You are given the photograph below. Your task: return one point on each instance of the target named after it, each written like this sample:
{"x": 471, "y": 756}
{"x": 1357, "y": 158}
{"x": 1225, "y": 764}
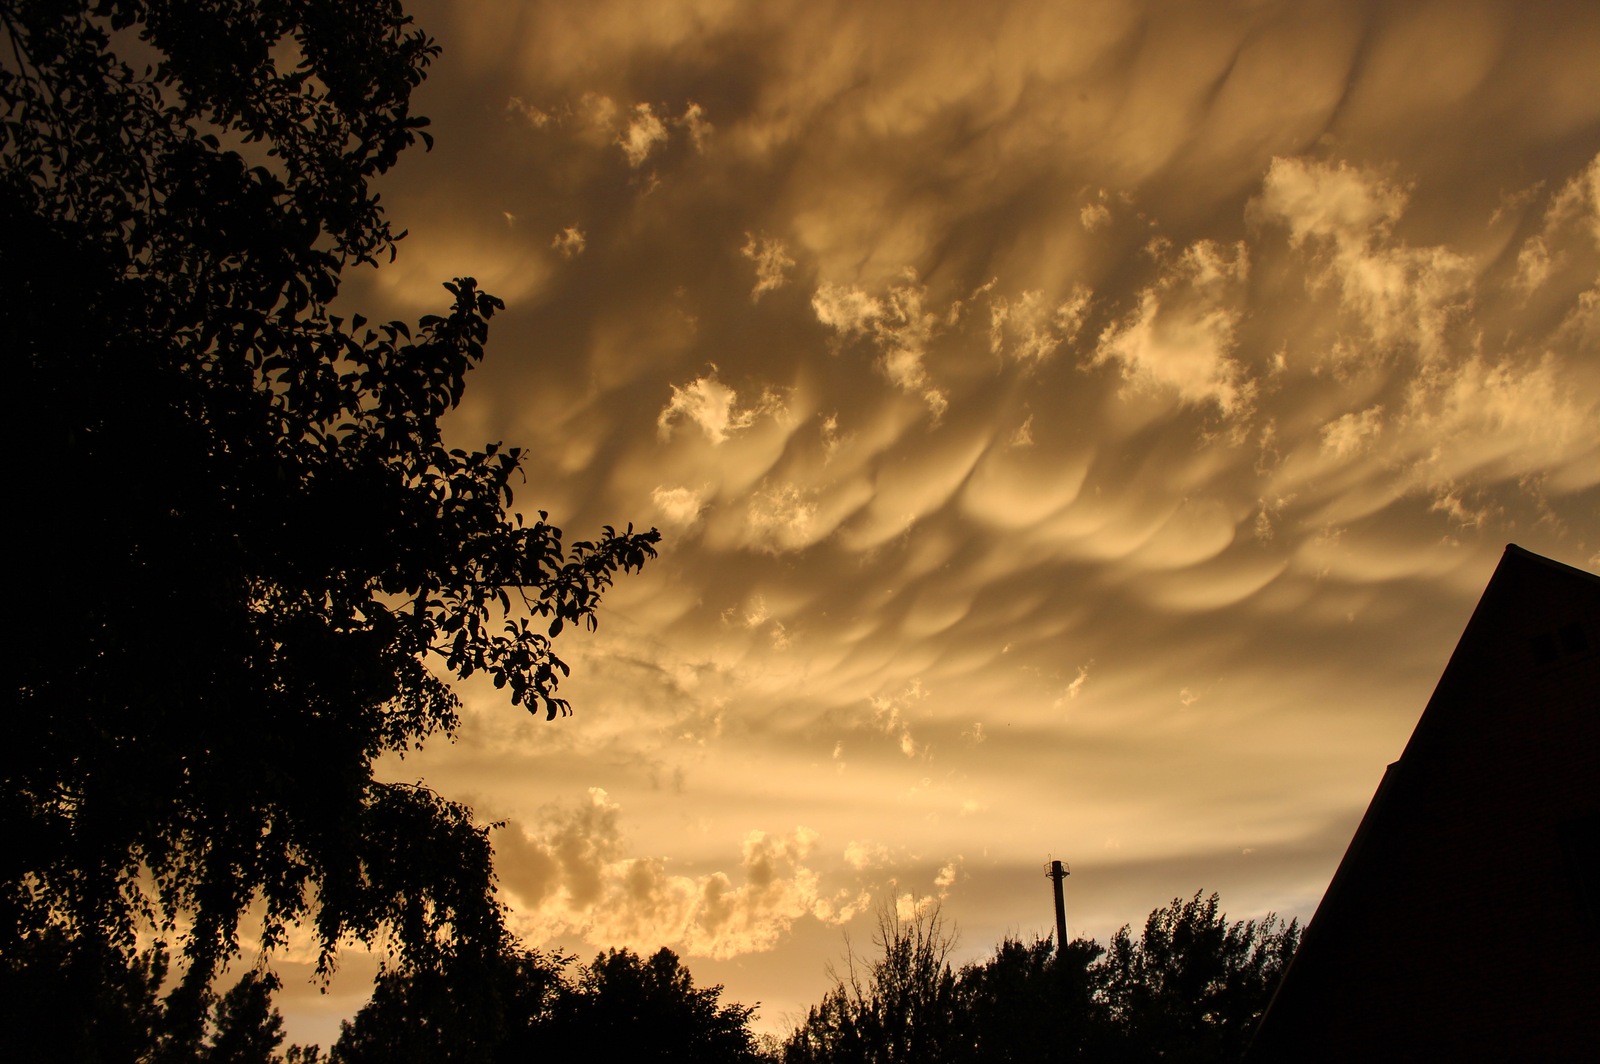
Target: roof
{"x": 1464, "y": 919}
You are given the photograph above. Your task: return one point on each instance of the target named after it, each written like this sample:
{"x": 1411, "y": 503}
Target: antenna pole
{"x": 1057, "y": 873}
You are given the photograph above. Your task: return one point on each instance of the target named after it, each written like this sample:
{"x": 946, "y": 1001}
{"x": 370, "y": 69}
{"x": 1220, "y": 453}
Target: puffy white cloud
{"x": 1180, "y": 339}
{"x": 781, "y": 517}
{"x": 1029, "y": 329}
{"x": 891, "y": 715}
{"x": 771, "y": 260}
{"x": 901, "y": 326}
{"x": 1073, "y": 689}
{"x": 1398, "y": 296}
{"x": 712, "y": 405}
{"x": 1336, "y": 201}
{"x": 1501, "y": 419}
{"x": 572, "y": 876}
{"x": 694, "y": 120}
{"x": 846, "y": 309}
{"x": 643, "y": 133}
{"x": 1353, "y": 432}
{"x": 570, "y": 242}
{"x": 1578, "y": 202}
{"x": 536, "y": 117}
{"x": 678, "y": 507}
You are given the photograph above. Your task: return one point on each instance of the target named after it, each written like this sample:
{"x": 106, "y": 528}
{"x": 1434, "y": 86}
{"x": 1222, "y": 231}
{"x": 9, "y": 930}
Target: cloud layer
{"x": 1078, "y": 428}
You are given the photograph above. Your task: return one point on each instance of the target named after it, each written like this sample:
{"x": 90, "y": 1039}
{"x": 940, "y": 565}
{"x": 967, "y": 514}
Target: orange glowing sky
{"x": 1077, "y": 429}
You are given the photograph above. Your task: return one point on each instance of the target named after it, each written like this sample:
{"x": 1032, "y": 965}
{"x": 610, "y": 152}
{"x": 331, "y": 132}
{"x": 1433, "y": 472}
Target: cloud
{"x": 1578, "y": 202}
{"x": 1398, "y": 296}
{"x": 890, "y": 715}
{"x": 1073, "y": 689}
{"x": 846, "y": 309}
{"x": 534, "y": 116}
{"x": 1028, "y": 329}
{"x": 1499, "y": 419}
{"x": 1316, "y": 200}
{"x": 678, "y": 507}
{"x": 643, "y": 133}
{"x": 911, "y": 905}
{"x": 570, "y": 242}
{"x": 694, "y": 120}
{"x": 1352, "y": 433}
{"x": 863, "y": 856}
{"x": 714, "y": 407}
{"x": 1181, "y": 338}
{"x": 572, "y": 876}
{"x": 901, "y": 326}
{"x": 781, "y": 517}
{"x": 771, "y": 260}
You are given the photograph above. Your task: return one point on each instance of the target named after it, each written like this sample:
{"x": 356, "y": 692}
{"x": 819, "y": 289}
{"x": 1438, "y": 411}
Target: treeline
{"x": 1188, "y": 987}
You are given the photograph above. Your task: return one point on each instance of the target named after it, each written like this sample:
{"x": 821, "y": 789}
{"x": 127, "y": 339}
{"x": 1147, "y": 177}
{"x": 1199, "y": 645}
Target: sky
{"x": 1077, "y": 429}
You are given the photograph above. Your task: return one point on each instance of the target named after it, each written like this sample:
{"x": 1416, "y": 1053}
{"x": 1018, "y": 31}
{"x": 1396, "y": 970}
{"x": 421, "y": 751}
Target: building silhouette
{"x": 1463, "y": 922}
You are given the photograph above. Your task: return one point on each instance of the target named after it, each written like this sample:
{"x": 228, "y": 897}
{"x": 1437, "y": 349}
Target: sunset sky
{"x": 1077, "y": 429}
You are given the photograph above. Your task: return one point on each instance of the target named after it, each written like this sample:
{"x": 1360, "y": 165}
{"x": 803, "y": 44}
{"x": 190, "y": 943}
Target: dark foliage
{"x": 900, "y": 1007}
{"x": 248, "y": 1029}
{"x": 118, "y": 1015}
{"x": 1030, "y": 1003}
{"x": 1191, "y": 988}
{"x": 82, "y": 1001}
{"x": 239, "y": 534}
{"x": 621, "y": 1007}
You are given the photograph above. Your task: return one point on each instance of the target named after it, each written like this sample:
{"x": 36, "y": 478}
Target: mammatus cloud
{"x": 1155, "y": 385}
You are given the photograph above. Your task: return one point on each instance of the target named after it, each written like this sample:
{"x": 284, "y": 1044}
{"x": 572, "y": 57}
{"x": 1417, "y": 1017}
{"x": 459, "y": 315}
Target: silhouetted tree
{"x": 899, "y": 1007}
{"x": 238, "y": 531}
{"x": 648, "y": 1009}
{"x": 248, "y": 1029}
{"x": 1193, "y": 986}
{"x": 491, "y": 1011}
{"x": 116, "y": 1012}
{"x": 1030, "y": 1002}
{"x": 620, "y": 1007}
{"x": 79, "y": 1000}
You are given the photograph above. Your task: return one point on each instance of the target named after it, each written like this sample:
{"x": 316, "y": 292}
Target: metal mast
{"x": 1056, "y": 873}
